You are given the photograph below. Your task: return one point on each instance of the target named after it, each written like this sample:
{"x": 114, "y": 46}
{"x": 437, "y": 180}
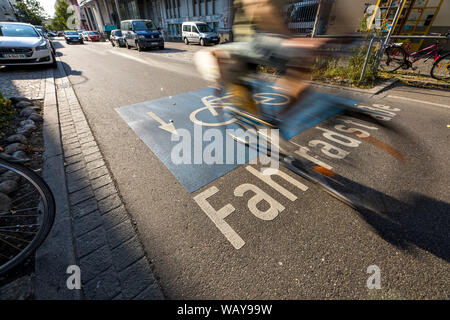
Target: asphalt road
{"x": 314, "y": 248}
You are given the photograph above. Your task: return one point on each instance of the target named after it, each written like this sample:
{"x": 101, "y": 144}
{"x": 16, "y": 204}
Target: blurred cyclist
{"x": 262, "y": 38}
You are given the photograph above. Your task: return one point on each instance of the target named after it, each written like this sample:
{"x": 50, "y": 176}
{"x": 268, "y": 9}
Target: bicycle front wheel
{"x": 27, "y": 212}
{"x": 441, "y": 68}
{"x": 393, "y": 58}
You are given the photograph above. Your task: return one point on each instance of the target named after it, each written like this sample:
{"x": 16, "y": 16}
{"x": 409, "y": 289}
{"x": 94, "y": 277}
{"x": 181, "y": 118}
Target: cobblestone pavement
{"x": 107, "y": 249}
{"x": 29, "y": 82}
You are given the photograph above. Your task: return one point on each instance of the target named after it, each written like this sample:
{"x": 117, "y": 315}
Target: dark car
{"x": 72, "y": 36}
{"x": 116, "y": 38}
{"x": 141, "y": 34}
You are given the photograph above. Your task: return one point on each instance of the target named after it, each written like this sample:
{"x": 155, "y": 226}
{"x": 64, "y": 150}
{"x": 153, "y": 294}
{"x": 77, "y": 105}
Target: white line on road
{"x": 158, "y": 64}
{"x": 420, "y": 101}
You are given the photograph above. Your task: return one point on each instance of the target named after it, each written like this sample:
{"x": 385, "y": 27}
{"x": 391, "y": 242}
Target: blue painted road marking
{"x": 150, "y": 121}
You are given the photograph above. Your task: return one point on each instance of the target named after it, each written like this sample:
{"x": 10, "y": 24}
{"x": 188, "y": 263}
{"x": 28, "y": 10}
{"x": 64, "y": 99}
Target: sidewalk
{"x": 92, "y": 228}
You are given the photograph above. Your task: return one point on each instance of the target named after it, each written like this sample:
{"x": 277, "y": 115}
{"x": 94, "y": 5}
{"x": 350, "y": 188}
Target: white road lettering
{"x": 218, "y": 216}
{"x": 269, "y": 214}
{"x": 339, "y": 138}
{"x": 266, "y": 176}
{"x": 329, "y": 150}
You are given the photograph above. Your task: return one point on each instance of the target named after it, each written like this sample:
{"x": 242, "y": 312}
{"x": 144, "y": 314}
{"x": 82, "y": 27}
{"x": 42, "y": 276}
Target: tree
{"x": 30, "y": 11}
{"x": 62, "y": 15}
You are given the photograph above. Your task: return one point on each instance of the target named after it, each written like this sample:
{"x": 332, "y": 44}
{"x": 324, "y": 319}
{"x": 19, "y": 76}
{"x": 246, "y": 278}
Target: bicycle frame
{"x": 412, "y": 54}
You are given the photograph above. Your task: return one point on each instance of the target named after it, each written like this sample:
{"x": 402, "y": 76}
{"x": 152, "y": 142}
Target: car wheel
{"x": 138, "y": 47}
{"x": 186, "y": 41}
{"x": 81, "y": 42}
{"x": 161, "y": 47}
{"x": 112, "y": 43}
{"x": 202, "y": 42}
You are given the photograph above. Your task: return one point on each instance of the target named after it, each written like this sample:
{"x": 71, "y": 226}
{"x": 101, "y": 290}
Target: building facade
{"x": 105, "y": 15}
{"x": 7, "y": 12}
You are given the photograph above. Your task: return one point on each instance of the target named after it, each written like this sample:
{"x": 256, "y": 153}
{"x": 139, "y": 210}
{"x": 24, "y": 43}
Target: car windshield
{"x": 71, "y": 33}
{"x": 93, "y": 33}
{"x": 17, "y": 30}
{"x": 143, "y": 25}
{"x": 118, "y": 33}
{"x": 204, "y": 28}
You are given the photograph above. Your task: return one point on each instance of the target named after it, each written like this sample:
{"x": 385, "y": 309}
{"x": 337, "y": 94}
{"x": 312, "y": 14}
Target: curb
{"x": 57, "y": 252}
{"x": 93, "y": 229}
{"x": 424, "y": 84}
{"x": 375, "y": 90}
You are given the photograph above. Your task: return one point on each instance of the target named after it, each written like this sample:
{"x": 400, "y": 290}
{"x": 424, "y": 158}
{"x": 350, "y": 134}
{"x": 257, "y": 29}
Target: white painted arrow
{"x": 169, "y": 127}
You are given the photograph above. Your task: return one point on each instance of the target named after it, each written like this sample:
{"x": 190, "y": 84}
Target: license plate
{"x": 154, "y": 43}
{"x": 13, "y": 56}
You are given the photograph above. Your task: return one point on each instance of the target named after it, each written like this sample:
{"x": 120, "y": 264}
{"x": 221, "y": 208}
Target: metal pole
{"x": 314, "y": 31}
{"x": 388, "y": 36}
{"x": 367, "y": 60}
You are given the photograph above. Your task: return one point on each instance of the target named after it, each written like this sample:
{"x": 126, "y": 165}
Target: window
{"x": 10, "y": 30}
{"x": 143, "y": 25}
{"x": 203, "y": 27}
{"x": 194, "y": 7}
{"x": 200, "y": 7}
{"x": 187, "y": 28}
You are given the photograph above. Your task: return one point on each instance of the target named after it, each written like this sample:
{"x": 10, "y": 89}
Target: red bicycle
{"x": 397, "y": 56}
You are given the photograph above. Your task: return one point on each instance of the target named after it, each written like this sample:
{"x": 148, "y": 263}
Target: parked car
{"x": 141, "y": 34}
{"x": 22, "y": 44}
{"x": 116, "y": 38}
{"x": 91, "y": 36}
{"x": 198, "y": 32}
{"x": 52, "y": 34}
{"x": 72, "y": 36}
{"x": 44, "y": 33}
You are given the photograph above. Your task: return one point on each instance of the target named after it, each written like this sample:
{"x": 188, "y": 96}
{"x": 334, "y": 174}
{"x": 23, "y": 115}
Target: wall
{"x": 7, "y": 11}
{"x": 346, "y": 15}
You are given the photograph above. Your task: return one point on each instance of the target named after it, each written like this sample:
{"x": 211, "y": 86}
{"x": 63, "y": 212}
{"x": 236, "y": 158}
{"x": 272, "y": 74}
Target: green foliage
{"x": 5, "y": 111}
{"x": 349, "y": 71}
{"x": 30, "y": 11}
{"x": 62, "y": 15}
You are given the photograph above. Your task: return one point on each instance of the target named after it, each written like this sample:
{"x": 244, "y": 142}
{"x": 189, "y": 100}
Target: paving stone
{"x": 90, "y": 241}
{"x": 101, "y": 181}
{"x": 84, "y": 208}
{"x": 95, "y": 263}
{"x": 98, "y": 172}
{"x": 127, "y": 253}
{"x": 109, "y": 203}
{"x": 90, "y": 150}
{"x": 95, "y": 164}
{"x": 103, "y": 287}
{"x": 120, "y": 233}
{"x": 75, "y": 166}
{"x": 93, "y": 156}
{"x": 71, "y": 152}
{"x": 114, "y": 217}
{"x": 136, "y": 278}
{"x": 81, "y": 195}
{"x": 75, "y": 185}
{"x": 105, "y": 191}
{"x": 87, "y": 223}
{"x": 153, "y": 292}
{"x": 74, "y": 159}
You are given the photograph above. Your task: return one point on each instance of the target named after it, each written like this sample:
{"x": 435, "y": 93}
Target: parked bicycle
{"x": 27, "y": 213}
{"x": 398, "y": 55}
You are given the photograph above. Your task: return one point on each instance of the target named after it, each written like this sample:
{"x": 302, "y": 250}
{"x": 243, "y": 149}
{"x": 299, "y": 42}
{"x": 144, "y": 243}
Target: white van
{"x": 198, "y": 32}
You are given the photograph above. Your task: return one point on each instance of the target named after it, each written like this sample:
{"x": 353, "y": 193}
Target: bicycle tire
{"x": 47, "y": 202}
{"x": 436, "y": 63}
{"x": 387, "y": 53}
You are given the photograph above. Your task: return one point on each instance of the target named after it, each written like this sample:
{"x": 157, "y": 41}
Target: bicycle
{"x": 397, "y": 56}
{"x": 27, "y": 213}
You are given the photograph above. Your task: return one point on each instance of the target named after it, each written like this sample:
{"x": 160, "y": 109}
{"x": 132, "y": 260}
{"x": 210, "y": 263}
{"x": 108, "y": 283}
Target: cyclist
{"x": 262, "y": 38}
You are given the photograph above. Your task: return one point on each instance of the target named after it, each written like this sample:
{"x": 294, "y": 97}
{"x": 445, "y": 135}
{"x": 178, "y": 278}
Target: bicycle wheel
{"x": 27, "y": 212}
{"x": 393, "y": 58}
{"x": 441, "y": 68}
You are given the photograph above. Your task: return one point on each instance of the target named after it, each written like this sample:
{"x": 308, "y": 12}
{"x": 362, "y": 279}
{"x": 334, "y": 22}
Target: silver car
{"x": 22, "y": 44}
